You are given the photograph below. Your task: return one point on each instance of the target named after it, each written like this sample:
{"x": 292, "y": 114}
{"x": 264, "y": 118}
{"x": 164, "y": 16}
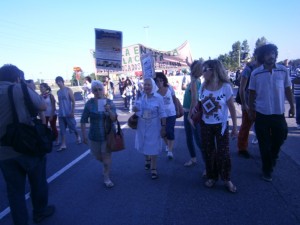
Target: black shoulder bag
{"x": 31, "y": 140}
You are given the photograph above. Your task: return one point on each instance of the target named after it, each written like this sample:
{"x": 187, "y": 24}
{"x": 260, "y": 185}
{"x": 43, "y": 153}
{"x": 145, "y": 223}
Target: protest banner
{"x": 108, "y": 49}
{"x": 148, "y": 66}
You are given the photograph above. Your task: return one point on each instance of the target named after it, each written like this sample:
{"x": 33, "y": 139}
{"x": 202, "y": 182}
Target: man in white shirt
{"x": 269, "y": 86}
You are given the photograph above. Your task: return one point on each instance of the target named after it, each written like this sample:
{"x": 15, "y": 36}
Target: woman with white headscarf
{"x": 100, "y": 112}
{"x": 151, "y": 125}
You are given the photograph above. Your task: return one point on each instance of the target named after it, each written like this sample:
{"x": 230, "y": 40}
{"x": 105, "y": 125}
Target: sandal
{"x": 147, "y": 164}
{"x": 108, "y": 183}
{"x": 190, "y": 163}
{"x": 210, "y": 183}
{"x": 154, "y": 174}
{"x": 230, "y": 187}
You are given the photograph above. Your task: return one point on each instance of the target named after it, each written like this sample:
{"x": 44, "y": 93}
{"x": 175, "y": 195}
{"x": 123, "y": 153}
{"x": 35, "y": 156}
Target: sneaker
{"x": 244, "y": 154}
{"x": 267, "y": 177}
{"x": 298, "y": 127}
{"x": 170, "y": 155}
{"x": 39, "y": 217}
{"x": 254, "y": 141}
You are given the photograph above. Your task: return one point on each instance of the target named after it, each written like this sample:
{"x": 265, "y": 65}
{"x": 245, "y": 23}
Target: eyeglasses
{"x": 97, "y": 89}
{"x": 158, "y": 80}
{"x": 204, "y": 69}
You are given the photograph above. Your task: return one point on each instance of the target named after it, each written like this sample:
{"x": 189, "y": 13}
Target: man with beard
{"x": 269, "y": 86}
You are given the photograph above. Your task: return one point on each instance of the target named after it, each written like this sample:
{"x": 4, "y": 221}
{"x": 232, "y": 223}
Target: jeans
{"x": 15, "y": 171}
{"x": 271, "y": 132}
{"x": 192, "y": 134}
{"x": 297, "y": 101}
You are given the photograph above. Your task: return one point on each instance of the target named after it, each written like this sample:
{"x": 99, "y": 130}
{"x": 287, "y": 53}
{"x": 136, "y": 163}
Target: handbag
{"x": 31, "y": 140}
{"x": 133, "y": 121}
{"x": 180, "y": 108}
{"x": 197, "y": 116}
{"x": 115, "y": 138}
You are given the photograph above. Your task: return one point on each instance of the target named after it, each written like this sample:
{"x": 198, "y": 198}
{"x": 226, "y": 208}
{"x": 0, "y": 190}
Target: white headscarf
{"x": 154, "y": 87}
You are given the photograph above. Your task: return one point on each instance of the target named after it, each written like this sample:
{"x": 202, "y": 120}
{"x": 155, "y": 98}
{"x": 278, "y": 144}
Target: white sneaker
{"x": 254, "y": 141}
{"x": 298, "y": 127}
{"x": 170, "y": 155}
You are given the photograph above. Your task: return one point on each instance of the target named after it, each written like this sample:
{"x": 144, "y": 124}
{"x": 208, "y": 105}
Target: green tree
{"x": 260, "y": 41}
{"x": 245, "y": 51}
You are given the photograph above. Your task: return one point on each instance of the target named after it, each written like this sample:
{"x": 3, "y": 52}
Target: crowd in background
{"x": 264, "y": 87}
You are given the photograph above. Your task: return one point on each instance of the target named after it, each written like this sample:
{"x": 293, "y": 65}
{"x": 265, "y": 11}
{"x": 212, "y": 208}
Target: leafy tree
{"x": 93, "y": 76}
{"x": 245, "y": 51}
{"x": 260, "y": 41}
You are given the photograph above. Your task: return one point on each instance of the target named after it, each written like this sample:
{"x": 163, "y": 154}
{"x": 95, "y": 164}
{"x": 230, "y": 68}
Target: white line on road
{"x": 55, "y": 175}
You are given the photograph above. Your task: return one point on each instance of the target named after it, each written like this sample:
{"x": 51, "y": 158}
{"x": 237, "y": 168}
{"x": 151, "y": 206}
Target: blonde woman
{"x": 100, "y": 111}
{"x": 216, "y": 96}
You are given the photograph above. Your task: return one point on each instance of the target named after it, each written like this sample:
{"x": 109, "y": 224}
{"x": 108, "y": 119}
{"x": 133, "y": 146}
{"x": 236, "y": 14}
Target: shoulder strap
{"x": 28, "y": 101}
{"x": 12, "y": 103}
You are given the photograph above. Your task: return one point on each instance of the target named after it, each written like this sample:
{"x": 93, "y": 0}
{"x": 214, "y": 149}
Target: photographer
{"x": 16, "y": 167}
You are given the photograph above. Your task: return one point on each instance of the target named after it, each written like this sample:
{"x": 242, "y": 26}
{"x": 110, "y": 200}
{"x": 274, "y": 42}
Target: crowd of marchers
{"x": 208, "y": 104}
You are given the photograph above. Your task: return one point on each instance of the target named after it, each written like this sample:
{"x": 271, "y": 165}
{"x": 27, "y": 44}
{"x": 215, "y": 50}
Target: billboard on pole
{"x": 108, "y": 49}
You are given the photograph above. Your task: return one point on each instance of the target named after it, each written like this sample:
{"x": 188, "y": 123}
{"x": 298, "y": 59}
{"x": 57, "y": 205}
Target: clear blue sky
{"x": 49, "y": 38}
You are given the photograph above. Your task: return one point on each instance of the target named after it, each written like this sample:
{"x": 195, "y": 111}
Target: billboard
{"x": 108, "y": 49}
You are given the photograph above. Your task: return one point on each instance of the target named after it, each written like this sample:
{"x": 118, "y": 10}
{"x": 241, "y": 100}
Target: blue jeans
{"x": 297, "y": 101}
{"x": 15, "y": 171}
{"x": 192, "y": 134}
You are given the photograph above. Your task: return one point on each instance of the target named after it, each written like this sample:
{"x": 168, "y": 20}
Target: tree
{"x": 260, "y": 41}
{"x": 226, "y": 61}
{"x": 245, "y": 51}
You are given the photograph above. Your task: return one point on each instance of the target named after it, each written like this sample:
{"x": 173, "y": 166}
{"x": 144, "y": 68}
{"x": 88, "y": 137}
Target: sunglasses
{"x": 206, "y": 69}
{"x": 97, "y": 89}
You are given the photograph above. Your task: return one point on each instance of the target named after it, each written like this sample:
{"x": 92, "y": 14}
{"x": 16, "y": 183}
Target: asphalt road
{"x": 177, "y": 197}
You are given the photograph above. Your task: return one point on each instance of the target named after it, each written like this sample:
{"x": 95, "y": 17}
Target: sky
{"x": 48, "y": 38}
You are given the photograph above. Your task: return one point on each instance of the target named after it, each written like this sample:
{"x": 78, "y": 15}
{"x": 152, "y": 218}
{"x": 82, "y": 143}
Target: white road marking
{"x": 54, "y": 176}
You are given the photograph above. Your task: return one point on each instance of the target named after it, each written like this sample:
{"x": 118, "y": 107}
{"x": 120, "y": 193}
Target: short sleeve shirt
{"x": 98, "y": 120}
{"x": 269, "y": 88}
{"x": 214, "y": 104}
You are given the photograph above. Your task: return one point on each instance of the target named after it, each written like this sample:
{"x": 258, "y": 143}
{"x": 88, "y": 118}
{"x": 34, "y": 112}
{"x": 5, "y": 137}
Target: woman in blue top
{"x": 100, "y": 111}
